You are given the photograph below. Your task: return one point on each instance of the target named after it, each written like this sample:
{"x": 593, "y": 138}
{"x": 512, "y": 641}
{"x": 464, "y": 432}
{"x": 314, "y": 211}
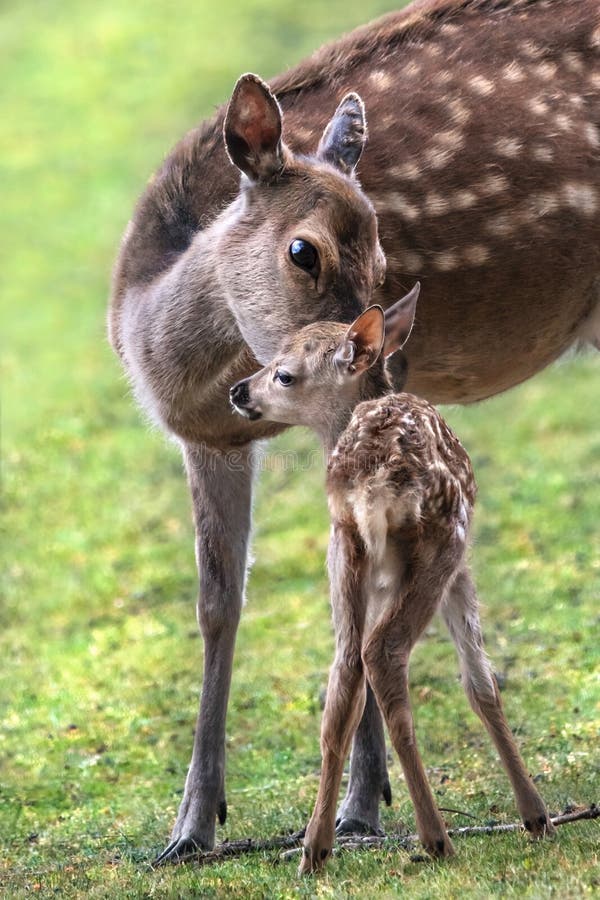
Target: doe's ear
{"x": 399, "y": 320}
{"x": 362, "y": 342}
{"x": 252, "y": 129}
{"x": 345, "y": 136}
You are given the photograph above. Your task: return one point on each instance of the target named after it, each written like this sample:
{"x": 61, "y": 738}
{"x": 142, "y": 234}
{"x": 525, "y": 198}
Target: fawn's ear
{"x": 252, "y": 129}
{"x": 362, "y": 342}
{"x": 399, "y": 320}
{"x": 344, "y": 138}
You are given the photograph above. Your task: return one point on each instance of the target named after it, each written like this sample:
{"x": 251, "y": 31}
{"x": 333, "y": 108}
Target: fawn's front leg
{"x": 461, "y": 614}
{"x": 221, "y": 495}
{"x": 345, "y": 692}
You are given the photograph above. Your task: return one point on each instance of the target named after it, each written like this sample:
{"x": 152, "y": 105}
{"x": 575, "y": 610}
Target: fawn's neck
{"x": 373, "y": 384}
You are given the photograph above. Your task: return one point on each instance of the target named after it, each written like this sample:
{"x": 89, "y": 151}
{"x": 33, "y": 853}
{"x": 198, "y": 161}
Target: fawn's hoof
{"x": 439, "y": 848}
{"x": 540, "y": 826}
{"x": 314, "y": 858}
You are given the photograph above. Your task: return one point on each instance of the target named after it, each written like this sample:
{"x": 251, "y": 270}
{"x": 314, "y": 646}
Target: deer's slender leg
{"x": 369, "y": 780}
{"x": 386, "y": 655}
{"x": 345, "y": 692}
{"x": 461, "y": 614}
{"x": 221, "y": 487}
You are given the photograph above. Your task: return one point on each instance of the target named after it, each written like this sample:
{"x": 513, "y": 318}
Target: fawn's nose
{"x": 239, "y": 394}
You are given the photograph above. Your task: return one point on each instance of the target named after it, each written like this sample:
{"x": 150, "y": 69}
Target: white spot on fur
{"x": 576, "y": 100}
{"x": 492, "y": 185}
{"x": 581, "y": 197}
{"x": 595, "y": 79}
{"x": 433, "y": 49}
{"x": 443, "y": 76}
{"x": 436, "y": 205}
{"x": 592, "y": 134}
{"x": 408, "y": 171}
{"x": 564, "y": 123}
{"x": 572, "y": 61}
{"x": 595, "y": 38}
{"x": 437, "y": 157}
{"x": 544, "y": 204}
{"x": 543, "y": 153}
{"x": 446, "y": 261}
{"x": 528, "y": 48}
{"x": 513, "y": 72}
{"x": 454, "y": 139}
{"x": 399, "y": 204}
{"x": 480, "y": 85}
{"x": 411, "y": 70}
{"x": 449, "y": 28}
{"x": 458, "y": 111}
{"x": 381, "y": 80}
{"x": 463, "y": 199}
{"x": 476, "y": 254}
{"x": 537, "y": 106}
{"x": 545, "y": 70}
{"x": 509, "y": 147}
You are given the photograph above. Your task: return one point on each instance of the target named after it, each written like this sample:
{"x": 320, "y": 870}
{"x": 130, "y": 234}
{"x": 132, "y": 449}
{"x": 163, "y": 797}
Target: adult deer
{"x": 483, "y": 165}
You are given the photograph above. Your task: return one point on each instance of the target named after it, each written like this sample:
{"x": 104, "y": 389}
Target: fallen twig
{"x": 291, "y": 844}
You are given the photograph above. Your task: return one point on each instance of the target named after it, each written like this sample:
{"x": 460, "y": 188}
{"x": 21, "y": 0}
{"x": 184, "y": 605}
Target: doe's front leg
{"x": 369, "y": 780}
{"x": 221, "y": 495}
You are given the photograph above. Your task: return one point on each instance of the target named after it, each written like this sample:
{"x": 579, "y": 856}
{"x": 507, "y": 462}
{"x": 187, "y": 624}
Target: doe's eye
{"x": 283, "y": 377}
{"x": 304, "y": 255}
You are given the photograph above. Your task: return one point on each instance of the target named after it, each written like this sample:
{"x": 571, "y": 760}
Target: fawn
{"x": 482, "y": 164}
{"x": 401, "y": 491}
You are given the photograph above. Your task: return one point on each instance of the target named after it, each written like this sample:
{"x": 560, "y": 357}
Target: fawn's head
{"x": 300, "y": 243}
{"x": 319, "y": 374}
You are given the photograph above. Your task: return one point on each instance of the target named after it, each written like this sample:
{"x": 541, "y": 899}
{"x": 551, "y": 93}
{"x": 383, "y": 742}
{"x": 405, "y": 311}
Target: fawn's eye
{"x": 283, "y": 377}
{"x": 304, "y": 255}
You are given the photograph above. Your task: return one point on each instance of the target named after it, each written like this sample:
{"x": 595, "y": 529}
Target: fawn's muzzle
{"x": 239, "y": 396}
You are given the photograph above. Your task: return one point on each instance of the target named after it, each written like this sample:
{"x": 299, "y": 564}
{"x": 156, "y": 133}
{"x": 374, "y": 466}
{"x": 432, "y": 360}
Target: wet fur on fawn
{"x": 401, "y": 492}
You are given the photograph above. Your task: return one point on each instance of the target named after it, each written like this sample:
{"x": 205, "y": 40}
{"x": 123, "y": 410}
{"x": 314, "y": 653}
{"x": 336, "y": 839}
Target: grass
{"x": 101, "y": 659}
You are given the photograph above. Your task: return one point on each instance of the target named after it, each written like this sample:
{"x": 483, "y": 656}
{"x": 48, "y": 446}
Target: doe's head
{"x": 300, "y": 243}
{"x": 326, "y": 368}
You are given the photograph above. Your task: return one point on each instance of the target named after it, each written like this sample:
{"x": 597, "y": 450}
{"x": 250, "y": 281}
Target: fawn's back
{"x": 399, "y": 469}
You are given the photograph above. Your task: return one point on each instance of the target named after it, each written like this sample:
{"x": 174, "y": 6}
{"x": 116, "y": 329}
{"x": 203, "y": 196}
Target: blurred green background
{"x": 99, "y": 650}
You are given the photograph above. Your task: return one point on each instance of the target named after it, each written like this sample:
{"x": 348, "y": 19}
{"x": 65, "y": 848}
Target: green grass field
{"x": 100, "y": 654}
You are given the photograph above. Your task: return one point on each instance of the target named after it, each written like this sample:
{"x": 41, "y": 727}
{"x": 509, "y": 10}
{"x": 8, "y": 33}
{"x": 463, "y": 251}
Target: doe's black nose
{"x": 239, "y": 393}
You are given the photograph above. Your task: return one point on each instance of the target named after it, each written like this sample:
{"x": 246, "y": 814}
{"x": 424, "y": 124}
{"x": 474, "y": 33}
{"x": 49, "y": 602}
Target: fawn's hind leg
{"x": 345, "y": 692}
{"x": 461, "y": 614}
{"x": 386, "y": 655}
